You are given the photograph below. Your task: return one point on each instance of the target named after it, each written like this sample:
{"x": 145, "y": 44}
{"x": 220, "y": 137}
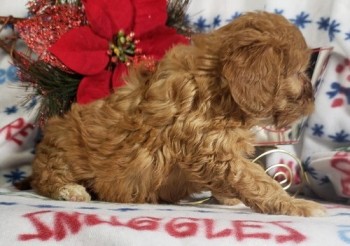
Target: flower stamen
{"x": 122, "y": 48}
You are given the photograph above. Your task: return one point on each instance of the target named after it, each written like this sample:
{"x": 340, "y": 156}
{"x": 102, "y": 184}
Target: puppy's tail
{"x": 24, "y": 184}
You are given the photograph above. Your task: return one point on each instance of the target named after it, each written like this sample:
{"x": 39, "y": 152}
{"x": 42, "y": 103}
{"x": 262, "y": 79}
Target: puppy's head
{"x": 264, "y": 58}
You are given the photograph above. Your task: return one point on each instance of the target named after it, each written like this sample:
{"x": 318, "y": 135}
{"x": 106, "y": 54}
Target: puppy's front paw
{"x": 306, "y": 208}
{"x": 73, "y": 192}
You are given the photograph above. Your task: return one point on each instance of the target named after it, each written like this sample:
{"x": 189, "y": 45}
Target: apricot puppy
{"x": 185, "y": 127}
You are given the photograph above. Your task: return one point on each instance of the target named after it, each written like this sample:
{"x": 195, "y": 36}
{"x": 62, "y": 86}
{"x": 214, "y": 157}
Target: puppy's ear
{"x": 251, "y": 66}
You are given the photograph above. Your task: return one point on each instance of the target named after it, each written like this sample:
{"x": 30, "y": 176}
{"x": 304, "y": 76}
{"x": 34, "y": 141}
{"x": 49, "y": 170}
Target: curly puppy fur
{"x": 185, "y": 127}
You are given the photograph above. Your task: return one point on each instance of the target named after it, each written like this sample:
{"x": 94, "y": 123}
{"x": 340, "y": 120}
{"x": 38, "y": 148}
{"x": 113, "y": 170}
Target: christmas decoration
{"x": 89, "y": 50}
{"x": 80, "y": 50}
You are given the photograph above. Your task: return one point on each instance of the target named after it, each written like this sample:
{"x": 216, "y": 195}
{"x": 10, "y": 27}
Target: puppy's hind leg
{"x": 52, "y": 178}
{"x": 73, "y": 192}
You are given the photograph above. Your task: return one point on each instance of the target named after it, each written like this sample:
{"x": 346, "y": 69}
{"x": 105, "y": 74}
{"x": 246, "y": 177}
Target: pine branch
{"x": 57, "y": 88}
{"x": 177, "y": 17}
{"x": 8, "y": 47}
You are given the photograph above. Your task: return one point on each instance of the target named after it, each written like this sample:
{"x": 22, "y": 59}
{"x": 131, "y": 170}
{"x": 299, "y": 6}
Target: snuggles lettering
{"x": 50, "y": 225}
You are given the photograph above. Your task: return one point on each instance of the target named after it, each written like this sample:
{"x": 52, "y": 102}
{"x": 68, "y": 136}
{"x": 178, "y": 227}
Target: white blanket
{"x": 30, "y": 220}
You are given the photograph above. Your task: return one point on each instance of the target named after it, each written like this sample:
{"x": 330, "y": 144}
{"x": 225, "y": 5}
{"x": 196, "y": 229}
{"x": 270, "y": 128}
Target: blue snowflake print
{"x": 301, "y": 20}
{"x": 234, "y": 16}
{"x": 347, "y": 36}
{"x": 330, "y": 26}
{"x": 337, "y": 88}
{"x": 216, "y": 21}
{"x": 45, "y": 206}
{"x": 278, "y": 11}
{"x": 333, "y": 29}
{"x": 201, "y": 24}
{"x": 340, "y": 137}
{"x": 11, "y": 110}
{"x": 308, "y": 168}
{"x": 323, "y": 23}
{"x": 15, "y": 176}
{"x": 203, "y": 211}
{"x": 12, "y": 73}
{"x": 124, "y": 209}
{"x": 7, "y": 203}
{"x": 164, "y": 209}
{"x": 9, "y": 26}
{"x": 88, "y": 208}
{"x": 317, "y": 130}
{"x": 31, "y": 104}
{"x": 324, "y": 180}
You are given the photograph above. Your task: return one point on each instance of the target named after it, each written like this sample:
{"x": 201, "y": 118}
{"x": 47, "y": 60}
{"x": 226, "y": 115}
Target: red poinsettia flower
{"x": 118, "y": 30}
